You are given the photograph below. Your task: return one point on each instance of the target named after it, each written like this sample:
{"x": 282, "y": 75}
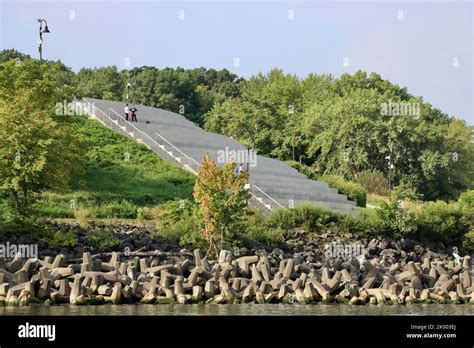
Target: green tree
{"x": 38, "y": 148}
{"x": 101, "y": 83}
{"x": 12, "y": 54}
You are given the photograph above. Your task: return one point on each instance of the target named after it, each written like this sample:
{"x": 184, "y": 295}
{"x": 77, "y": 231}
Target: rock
{"x": 287, "y": 272}
{"x": 300, "y": 296}
{"x": 75, "y": 291}
{"x": 393, "y": 272}
{"x": 197, "y": 293}
{"x": 225, "y": 256}
{"x": 104, "y": 290}
{"x": 425, "y": 296}
{"x": 181, "y": 299}
{"x": 16, "y": 263}
{"x": 355, "y": 301}
{"x": 259, "y": 297}
{"x": 197, "y": 257}
{"x": 116, "y": 295}
{"x": 95, "y": 301}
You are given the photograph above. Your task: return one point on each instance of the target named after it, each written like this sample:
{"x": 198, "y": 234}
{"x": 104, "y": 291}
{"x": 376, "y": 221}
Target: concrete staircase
{"x": 274, "y": 184}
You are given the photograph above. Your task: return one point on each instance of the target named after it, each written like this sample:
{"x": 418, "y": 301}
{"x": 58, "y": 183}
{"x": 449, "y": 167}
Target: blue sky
{"x": 413, "y": 44}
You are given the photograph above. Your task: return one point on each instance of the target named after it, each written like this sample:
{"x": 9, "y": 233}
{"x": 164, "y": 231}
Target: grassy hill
{"x": 120, "y": 177}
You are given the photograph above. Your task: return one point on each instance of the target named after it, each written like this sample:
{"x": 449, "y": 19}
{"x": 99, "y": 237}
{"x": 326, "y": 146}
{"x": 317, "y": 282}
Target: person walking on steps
{"x": 134, "y": 110}
{"x": 127, "y": 111}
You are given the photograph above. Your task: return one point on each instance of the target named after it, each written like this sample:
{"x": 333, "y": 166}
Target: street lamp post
{"x": 41, "y": 31}
{"x": 128, "y": 89}
{"x": 296, "y": 139}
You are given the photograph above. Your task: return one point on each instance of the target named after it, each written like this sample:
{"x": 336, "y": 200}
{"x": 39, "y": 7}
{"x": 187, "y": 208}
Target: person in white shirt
{"x": 127, "y": 111}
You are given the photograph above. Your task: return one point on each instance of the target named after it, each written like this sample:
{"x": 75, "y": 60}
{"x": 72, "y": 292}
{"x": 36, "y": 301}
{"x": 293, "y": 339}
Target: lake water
{"x": 243, "y": 309}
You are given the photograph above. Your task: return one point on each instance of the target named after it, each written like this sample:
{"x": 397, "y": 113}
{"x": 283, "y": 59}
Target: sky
{"x": 426, "y": 46}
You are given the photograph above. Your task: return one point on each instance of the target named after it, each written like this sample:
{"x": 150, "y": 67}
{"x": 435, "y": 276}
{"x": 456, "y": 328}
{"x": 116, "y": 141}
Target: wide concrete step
{"x": 263, "y": 164}
{"x": 304, "y": 189}
{"x": 145, "y": 113}
{"x": 285, "y": 180}
{"x": 317, "y": 196}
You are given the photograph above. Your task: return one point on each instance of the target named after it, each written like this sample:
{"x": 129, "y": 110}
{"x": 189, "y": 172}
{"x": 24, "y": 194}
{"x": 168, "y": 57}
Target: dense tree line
{"x": 347, "y": 125}
{"x": 190, "y": 92}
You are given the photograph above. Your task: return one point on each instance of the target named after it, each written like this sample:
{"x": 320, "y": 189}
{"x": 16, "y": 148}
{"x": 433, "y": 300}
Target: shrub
{"x": 123, "y": 209}
{"x": 43, "y": 209}
{"x": 303, "y": 169}
{"x": 143, "y": 213}
{"x": 178, "y": 222}
{"x": 17, "y": 226}
{"x": 407, "y": 192}
{"x": 305, "y": 215}
{"x": 466, "y": 202}
{"x": 254, "y": 230}
{"x": 352, "y": 190}
{"x": 442, "y": 222}
{"x": 468, "y": 242}
{"x": 103, "y": 239}
{"x": 320, "y": 219}
{"x": 62, "y": 239}
{"x": 365, "y": 225}
{"x": 172, "y": 211}
{"x": 395, "y": 220}
{"x": 185, "y": 232}
{"x": 82, "y": 215}
{"x": 374, "y": 182}
{"x": 261, "y": 234}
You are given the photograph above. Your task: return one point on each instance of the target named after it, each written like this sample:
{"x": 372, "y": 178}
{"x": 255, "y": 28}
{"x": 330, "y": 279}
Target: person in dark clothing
{"x": 133, "y": 111}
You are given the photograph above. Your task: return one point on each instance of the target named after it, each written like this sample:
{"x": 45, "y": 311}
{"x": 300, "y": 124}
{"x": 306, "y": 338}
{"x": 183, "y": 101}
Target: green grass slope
{"x": 120, "y": 177}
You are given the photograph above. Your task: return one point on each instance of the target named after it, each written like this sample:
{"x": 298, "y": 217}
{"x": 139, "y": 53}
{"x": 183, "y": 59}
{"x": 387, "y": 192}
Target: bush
{"x": 442, "y": 222}
{"x": 123, "y": 209}
{"x": 303, "y": 169}
{"x": 395, "y": 220}
{"x": 321, "y": 219}
{"x": 374, "y": 182}
{"x": 82, "y": 215}
{"x": 406, "y": 192}
{"x": 365, "y": 225}
{"x": 254, "y": 232}
{"x": 352, "y": 190}
{"x": 466, "y": 202}
{"x": 143, "y": 213}
{"x": 178, "y": 222}
{"x": 62, "y": 239}
{"x": 184, "y": 232}
{"x": 263, "y": 235}
{"x": 305, "y": 215}
{"x": 468, "y": 243}
{"x": 102, "y": 239}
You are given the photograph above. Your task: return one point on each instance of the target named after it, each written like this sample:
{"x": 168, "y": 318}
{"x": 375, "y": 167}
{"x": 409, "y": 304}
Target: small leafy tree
{"x": 222, "y": 199}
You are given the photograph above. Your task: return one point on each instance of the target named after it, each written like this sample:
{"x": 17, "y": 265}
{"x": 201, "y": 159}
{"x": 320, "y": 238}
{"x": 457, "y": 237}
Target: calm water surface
{"x": 242, "y": 309}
